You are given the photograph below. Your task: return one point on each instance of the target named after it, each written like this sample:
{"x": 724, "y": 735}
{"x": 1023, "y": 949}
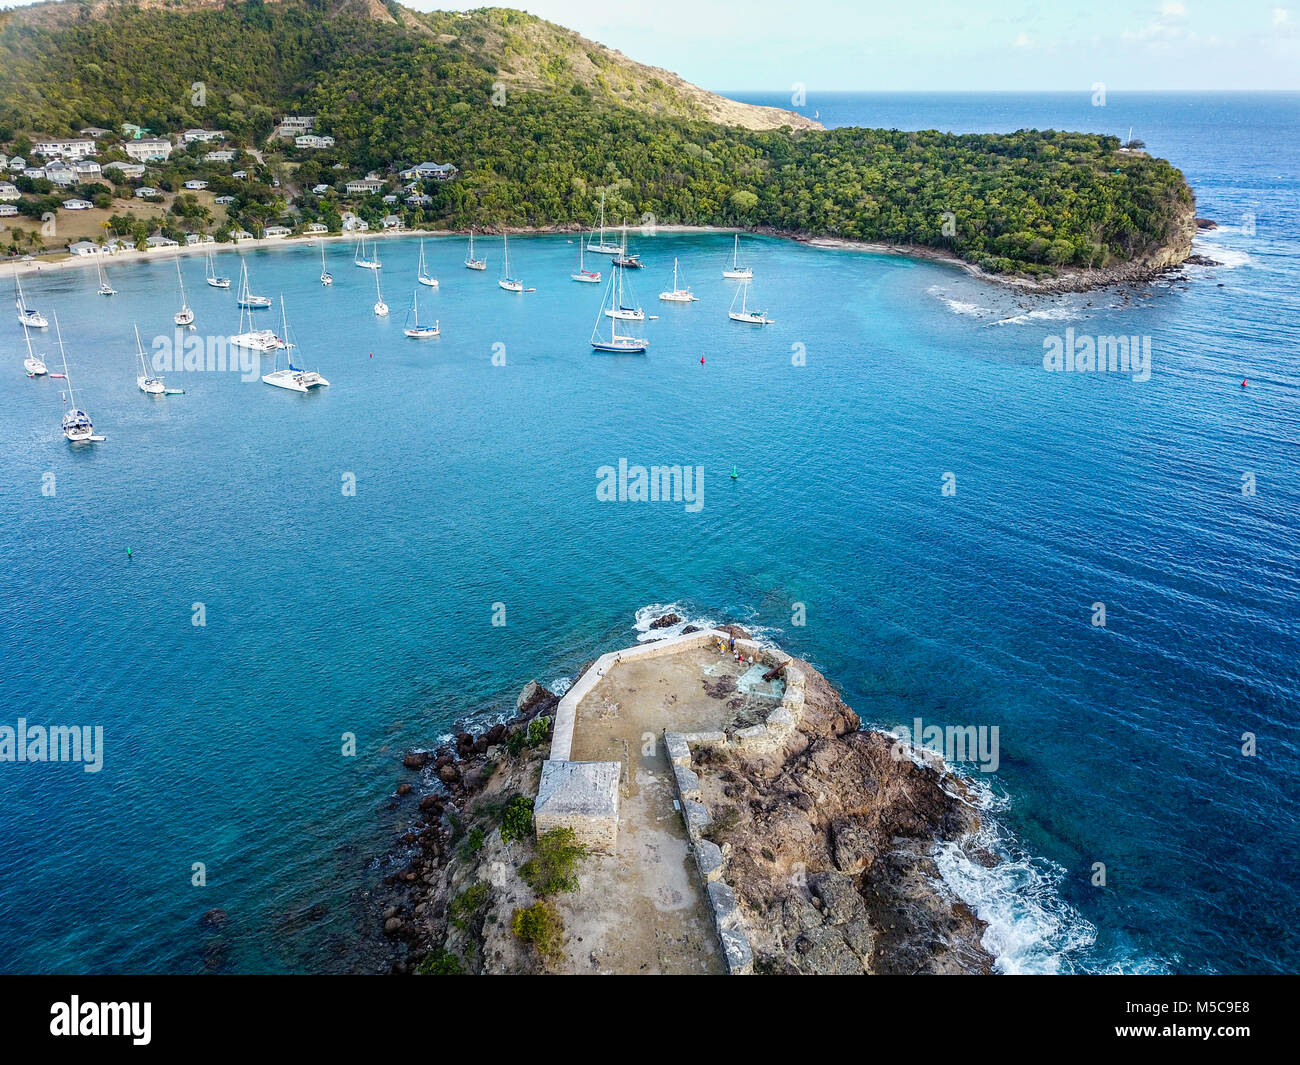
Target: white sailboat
{"x": 246, "y": 297}
{"x": 381, "y": 308}
{"x": 326, "y": 278}
{"x": 507, "y": 282}
{"x": 259, "y": 340}
{"x": 361, "y": 259}
{"x": 470, "y": 262}
{"x": 212, "y": 277}
{"x": 678, "y": 294}
{"x": 184, "y": 316}
{"x": 602, "y": 246}
{"x": 629, "y": 262}
{"x": 623, "y": 308}
{"x": 34, "y": 365}
{"x": 736, "y": 272}
{"x": 418, "y": 331}
{"x": 147, "y": 382}
{"x": 617, "y": 344}
{"x": 291, "y": 377}
{"x": 591, "y": 277}
{"x": 745, "y": 314}
{"x": 28, "y": 315}
{"x": 422, "y": 274}
{"x": 105, "y": 289}
{"x": 77, "y": 426}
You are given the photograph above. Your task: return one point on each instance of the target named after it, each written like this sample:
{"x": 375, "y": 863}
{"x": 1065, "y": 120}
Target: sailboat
{"x": 147, "y": 382}
{"x": 736, "y": 272}
{"x": 246, "y": 298}
{"x": 418, "y": 331}
{"x": 105, "y": 289}
{"x": 745, "y": 314}
{"x": 326, "y": 278}
{"x": 291, "y": 377}
{"x": 624, "y": 345}
{"x": 184, "y": 316}
{"x": 583, "y": 274}
{"x": 422, "y": 274}
{"x": 621, "y": 310}
{"x": 602, "y": 246}
{"x": 361, "y": 259}
{"x": 678, "y": 294}
{"x": 623, "y": 259}
{"x": 33, "y": 364}
{"x": 77, "y": 426}
{"x": 470, "y": 262}
{"x": 27, "y": 315}
{"x": 507, "y": 282}
{"x": 211, "y": 275}
{"x": 259, "y": 340}
{"x": 381, "y": 308}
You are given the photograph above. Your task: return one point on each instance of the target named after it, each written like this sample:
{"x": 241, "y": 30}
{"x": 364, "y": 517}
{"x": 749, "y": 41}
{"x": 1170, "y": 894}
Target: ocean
{"x": 348, "y": 552}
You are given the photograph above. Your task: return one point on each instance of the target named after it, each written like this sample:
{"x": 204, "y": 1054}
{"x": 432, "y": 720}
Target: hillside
{"x": 540, "y": 122}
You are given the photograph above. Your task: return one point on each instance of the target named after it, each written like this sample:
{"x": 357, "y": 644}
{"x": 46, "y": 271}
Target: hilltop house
{"x": 95, "y": 131}
{"x": 313, "y": 140}
{"x": 87, "y": 170}
{"x": 9, "y": 192}
{"x": 126, "y": 171}
{"x": 293, "y": 125}
{"x": 35, "y": 173}
{"x": 207, "y": 136}
{"x": 221, "y": 155}
{"x": 64, "y": 149}
{"x": 364, "y": 186}
{"x": 419, "y": 200}
{"x": 147, "y": 149}
{"x": 435, "y": 171}
{"x": 239, "y": 175}
{"x": 77, "y": 205}
{"x": 60, "y": 173}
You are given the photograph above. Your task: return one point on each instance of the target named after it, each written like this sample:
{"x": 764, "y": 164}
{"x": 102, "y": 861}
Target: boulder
{"x": 665, "y": 621}
{"x": 417, "y": 759}
{"x": 449, "y": 774}
{"x": 532, "y": 696}
{"x": 214, "y": 918}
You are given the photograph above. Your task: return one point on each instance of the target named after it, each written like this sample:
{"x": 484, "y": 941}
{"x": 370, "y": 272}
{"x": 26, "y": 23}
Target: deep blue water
{"x": 475, "y": 483}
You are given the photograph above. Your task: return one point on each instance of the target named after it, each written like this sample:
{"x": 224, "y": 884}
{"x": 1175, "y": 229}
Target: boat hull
{"x": 678, "y": 297}
{"x": 631, "y": 347}
{"x": 431, "y": 282}
{"x": 511, "y": 286}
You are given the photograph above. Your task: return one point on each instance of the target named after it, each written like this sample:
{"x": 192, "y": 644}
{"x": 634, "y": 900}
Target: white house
{"x": 364, "y": 186}
{"x": 77, "y": 205}
{"x": 390, "y": 198}
{"x": 276, "y": 231}
{"x": 391, "y": 221}
{"x": 36, "y": 173}
{"x": 353, "y": 224}
{"x": 318, "y": 227}
{"x": 9, "y": 192}
{"x": 8, "y": 210}
{"x": 147, "y": 190}
{"x": 95, "y": 131}
{"x": 65, "y": 149}
{"x": 196, "y": 184}
{"x": 241, "y": 234}
{"x": 127, "y": 171}
{"x": 159, "y": 241}
{"x": 225, "y": 201}
{"x": 17, "y": 163}
{"x": 60, "y": 173}
{"x": 319, "y": 190}
{"x": 419, "y": 201}
{"x": 239, "y": 175}
{"x": 207, "y": 136}
{"x": 84, "y": 247}
{"x": 292, "y": 125}
{"x": 148, "y": 148}
{"x": 222, "y": 155}
{"x": 436, "y": 171}
{"x": 313, "y": 140}
{"x": 87, "y": 170}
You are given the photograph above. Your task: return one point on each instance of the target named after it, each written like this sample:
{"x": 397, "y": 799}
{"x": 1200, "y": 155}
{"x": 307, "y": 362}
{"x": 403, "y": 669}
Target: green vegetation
{"x": 554, "y": 868}
{"x": 517, "y": 819}
{"x": 574, "y": 121}
{"x": 462, "y": 910}
{"x": 540, "y": 926}
{"x": 440, "y": 962}
{"x": 537, "y": 733}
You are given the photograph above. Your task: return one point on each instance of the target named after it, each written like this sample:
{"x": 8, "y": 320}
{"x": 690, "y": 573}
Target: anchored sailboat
{"x": 624, "y": 309}
{"x": 745, "y": 314}
{"x": 736, "y": 272}
{"x": 184, "y": 316}
{"x": 678, "y": 294}
{"x": 616, "y": 343}
{"x": 589, "y": 276}
{"x": 326, "y": 278}
{"x": 28, "y": 315}
{"x": 470, "y": 262}
{"x": 623, "y": 259}
{"x": 381, "y": 308}
{"x": 212, "y": 277}
{"x": 361, "y": 259}
{"x": 246, "y": 297}
{"x": 602, "y": 246}
{"x": 77, "y": 426}
{"x": 418, "y": 331}
{"x": 259, "y": 340}
{"x": 34, "y": 365}
{"x": 105, "y": 289}
{"x": 507, "y": 282}
{"x": 147, "y": 382}
{"x": 422, "y": 274}
{"x": 291, "y": 377}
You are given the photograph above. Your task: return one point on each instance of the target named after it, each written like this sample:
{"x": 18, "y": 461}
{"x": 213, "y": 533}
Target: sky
{"x": 943, "y": 45}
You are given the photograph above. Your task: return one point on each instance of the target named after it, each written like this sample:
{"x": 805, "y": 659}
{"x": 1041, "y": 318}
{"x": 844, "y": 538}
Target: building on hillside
{"x": 95, "y": 131}
{"x": 196, "y": 184}
{"x": 87, "y": 170}
{"x": 9, "y": 192}
{"x": 147, "y": 190}
{"x": 16, "y": 163}
{"x": 313, "y": 140}
{"x": 225, "y": 201}
{"x": 147, "y": 149}
{"x": 433, "y": 171}
{"x": 60, "y": 173}
{"x": 77, "y": 205}
{"x": 364, "y": 186}
{"x": 221, "y": 155}
{"x": 293, "y": 125}
{"x": 65, "y": 149}
{"x": 8, "y": 210}
{"x": 206, "y": 136}
{"x": 126, "y": 171}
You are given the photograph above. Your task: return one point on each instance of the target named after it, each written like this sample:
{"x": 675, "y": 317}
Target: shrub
{"x": 552, "y": 870}
{"x": 539, "y": 728}
{"x": 541, "y": 927}
{"x": 440, "y": 962}
{"x": 466, "y": 906}
{"x": 517, "y": 819}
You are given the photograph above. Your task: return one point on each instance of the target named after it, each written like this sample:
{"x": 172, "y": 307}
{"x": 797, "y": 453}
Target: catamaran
{"x": 624, "y": 345}
{"x": 590, "y": 276}
{"x": 470, "y": 262}
{"x": 381, "y": 308}
{"x": 77, "y": 426}
{"x": 326, "y": 278}
{"x": 623, "y": 309}
{"x": 623, "y": 259}
{"x": 678, "y": 294}
{"x": 291, "y": 377}
{"x": 422, "y": 274}
{"x": 602, "y": 246}
{"x": 507, "y": 282}
{"x": 33, "y": 364}
{"x": 361, "y": 259}
{"x": 418, "y": 331}
{"x": 212, "y": 277}
{"x": 105, "y": 289}
{"x": 246, "y": 298}
{"x": 184, "y": 316}
{"x": 259, "y": 340}
{"x": 147, "y": 382}
{"x": 736, "y": 272}
{"x": 28, "y": 315}
{"x": 745, "y": 314}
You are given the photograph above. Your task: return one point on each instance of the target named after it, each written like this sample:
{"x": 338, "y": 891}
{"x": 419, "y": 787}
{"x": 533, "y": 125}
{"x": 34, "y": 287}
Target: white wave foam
{"x": 958, "y": 306}
{"x": 654, "y": 611}
{"x": 1043, "y": 314}
{"x": 1227, "y": 258}
{"x": 560, "y": 685}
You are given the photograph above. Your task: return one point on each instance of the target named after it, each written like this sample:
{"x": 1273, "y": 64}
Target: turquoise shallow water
{"x": 475, "y": 485}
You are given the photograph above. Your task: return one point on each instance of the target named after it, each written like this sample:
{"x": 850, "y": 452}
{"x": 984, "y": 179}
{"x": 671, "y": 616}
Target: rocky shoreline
{"x": 829, "y": 844}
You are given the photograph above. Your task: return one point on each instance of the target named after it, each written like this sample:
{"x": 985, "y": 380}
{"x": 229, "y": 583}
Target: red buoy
{"x": 1243, "y": 382}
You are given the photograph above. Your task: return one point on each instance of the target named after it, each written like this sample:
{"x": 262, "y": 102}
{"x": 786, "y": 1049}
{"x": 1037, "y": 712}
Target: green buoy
{"x": 734, "y": 475}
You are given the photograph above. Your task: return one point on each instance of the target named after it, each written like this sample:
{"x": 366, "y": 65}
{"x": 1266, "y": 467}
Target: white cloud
{"x": 1173, "y": 9}
{"x": 1023, "y": 41}
{"x": 1279, "y": 16}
